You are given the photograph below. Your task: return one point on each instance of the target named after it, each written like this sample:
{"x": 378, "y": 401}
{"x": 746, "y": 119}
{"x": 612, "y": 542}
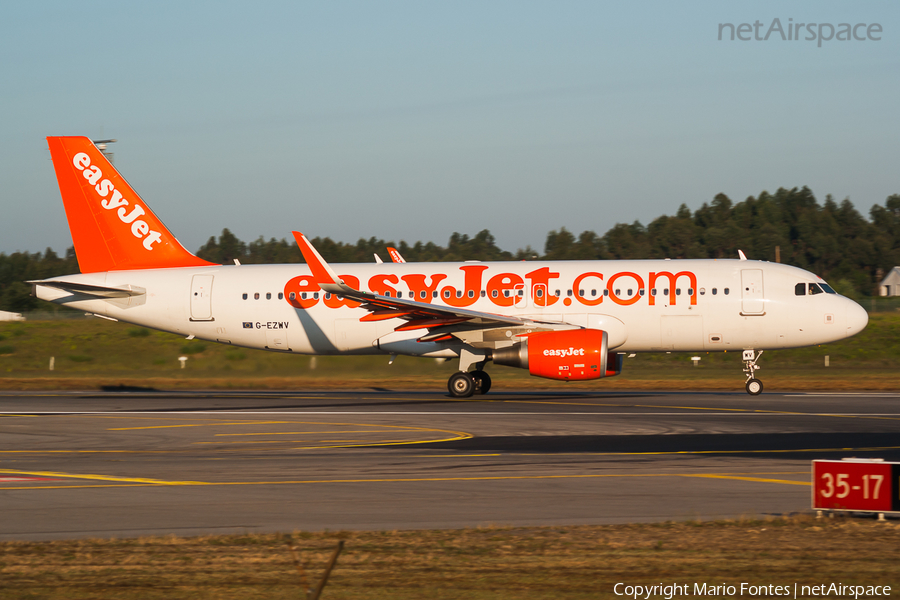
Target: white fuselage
{"x": 712, "y": 305}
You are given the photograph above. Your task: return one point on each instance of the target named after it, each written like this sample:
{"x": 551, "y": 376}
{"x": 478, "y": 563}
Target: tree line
{"x": 831, "y": 239}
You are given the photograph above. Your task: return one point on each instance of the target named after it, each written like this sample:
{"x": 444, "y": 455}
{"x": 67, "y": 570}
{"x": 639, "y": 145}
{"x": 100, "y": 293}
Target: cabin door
{"x": 201, "y": 298}
{"x": 752, "y": 297}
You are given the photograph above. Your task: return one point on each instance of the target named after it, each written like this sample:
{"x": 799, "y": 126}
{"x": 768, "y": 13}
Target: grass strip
{"x": 91, "y": 353}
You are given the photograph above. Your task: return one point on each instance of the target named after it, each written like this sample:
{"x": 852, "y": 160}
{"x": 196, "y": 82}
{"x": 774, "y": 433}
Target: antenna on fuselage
{"x": 742, "y": 255}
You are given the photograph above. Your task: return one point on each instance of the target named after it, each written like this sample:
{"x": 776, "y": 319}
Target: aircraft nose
{"x": 857, "y": 318}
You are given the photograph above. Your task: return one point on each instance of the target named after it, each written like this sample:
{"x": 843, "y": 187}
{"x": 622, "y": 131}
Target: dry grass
{"x": 495, "y": 563}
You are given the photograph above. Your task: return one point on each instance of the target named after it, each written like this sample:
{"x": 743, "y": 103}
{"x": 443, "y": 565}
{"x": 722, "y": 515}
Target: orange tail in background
{"x": 112, "y": 228}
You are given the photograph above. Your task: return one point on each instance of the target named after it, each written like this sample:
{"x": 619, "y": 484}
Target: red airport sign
{"x": 856, "y": 485}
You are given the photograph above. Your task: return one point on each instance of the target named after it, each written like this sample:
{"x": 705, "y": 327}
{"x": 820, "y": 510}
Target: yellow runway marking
{"x": 303, "y": 432}
{"x": 213, "y": 424}
{"x": 99, "y": 477}
{"x": 155, "y": 482}
{"x": 453, "y": 455}
{"x": 785, "y": 481}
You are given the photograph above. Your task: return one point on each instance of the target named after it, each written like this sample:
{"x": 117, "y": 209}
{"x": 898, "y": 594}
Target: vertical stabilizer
{"x": 112, "y": 228}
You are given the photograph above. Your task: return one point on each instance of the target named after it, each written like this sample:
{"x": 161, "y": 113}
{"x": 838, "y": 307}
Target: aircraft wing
{"x": 418, "y": 315}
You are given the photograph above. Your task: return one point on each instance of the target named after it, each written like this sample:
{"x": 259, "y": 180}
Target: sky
{"x": 413, "y": 120}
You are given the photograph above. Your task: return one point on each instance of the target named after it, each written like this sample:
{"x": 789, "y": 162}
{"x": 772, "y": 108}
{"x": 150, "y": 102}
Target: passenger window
{"x": 618, "y": 292}
{"x": 483, "y": 293}
{"x": 302, "y": 296}
{"x": 569, "y": 293}
{"x": 256, "y": 296}
{"x": 715, "y": 291}
{"x": 280, "y": 296}
{"x": 316, "y": 295}
{"x": 446, "y": 293}
{"x": 653, "y": 292}
{"x": 630, "y": 292}
{"x": 268, "y": 295}
{"x": 702, "y": 291}
{"x": 557, "y": 293}
{"x": 665, "y": 291}
{"x": 459, "y": 293}
{"x": 434, "y": 294}
{"x": 244, "y": 296}
{"x": 293, "y": 295}
{"x": 521, "y": 293}
{"x": 641, "y": 291}
{"x": 725, "y": 291}
{"x": 471, "y": 293}
{"x": 606, "y": 292}
{"x": 677, "y": 291}
{"x": 581, "y": 293}
{"x": 506, "y": 293}
{"x": 690, "y": 291}
{"x": 800, "y": 289}
{"x": 593, "y": 292}
{"x": 539, "y": 293}
{"x": 493, "y": 293}
{"x": 423, "y": 294}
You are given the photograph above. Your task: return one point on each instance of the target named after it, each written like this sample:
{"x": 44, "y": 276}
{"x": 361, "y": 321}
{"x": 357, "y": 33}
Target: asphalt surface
{"x": 127, "y": 464}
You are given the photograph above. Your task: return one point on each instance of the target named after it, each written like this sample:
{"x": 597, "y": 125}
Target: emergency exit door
{"x": 201, "y": 298}
{"x": 752, "y": 296}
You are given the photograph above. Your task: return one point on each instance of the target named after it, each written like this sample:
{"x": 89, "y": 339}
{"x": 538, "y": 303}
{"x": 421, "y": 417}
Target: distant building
{"x": 890, "y": 285}
{"x": 10, "y": 316}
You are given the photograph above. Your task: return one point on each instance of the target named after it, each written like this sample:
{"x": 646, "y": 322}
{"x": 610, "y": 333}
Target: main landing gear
{"x": 754, "y": 386}
{"x": 464, "y": 385}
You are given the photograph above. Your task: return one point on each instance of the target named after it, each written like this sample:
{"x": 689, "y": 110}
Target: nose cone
{"x": 857, "y": 318}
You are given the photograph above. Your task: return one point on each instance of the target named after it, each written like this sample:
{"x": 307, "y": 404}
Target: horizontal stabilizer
{"x": 98, "y": 291}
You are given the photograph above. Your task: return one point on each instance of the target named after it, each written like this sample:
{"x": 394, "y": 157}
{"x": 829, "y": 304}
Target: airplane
{"x": 560, "y": 320}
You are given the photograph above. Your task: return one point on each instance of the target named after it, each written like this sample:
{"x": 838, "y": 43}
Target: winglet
{"x": 324, "y": 274}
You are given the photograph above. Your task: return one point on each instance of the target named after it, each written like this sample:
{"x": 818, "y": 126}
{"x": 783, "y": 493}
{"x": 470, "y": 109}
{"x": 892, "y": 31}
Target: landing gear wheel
{"x": 482, "y": 382}
{"x": 754, "y": 387}
{"x": 461, "y": 385}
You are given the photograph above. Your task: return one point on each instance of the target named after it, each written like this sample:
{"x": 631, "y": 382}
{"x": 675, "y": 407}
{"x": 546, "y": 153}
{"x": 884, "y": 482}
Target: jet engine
{"x": 570, "y": 355}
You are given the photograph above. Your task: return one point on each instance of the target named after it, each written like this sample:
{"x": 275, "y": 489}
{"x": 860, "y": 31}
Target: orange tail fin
{"x": 112, "y": 228}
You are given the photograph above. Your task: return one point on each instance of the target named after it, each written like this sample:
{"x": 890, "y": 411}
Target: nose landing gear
{"x": 754, "y": 386}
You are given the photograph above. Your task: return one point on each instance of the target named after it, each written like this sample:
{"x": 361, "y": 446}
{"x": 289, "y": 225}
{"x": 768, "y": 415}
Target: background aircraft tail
{"x": 112, "y": 228}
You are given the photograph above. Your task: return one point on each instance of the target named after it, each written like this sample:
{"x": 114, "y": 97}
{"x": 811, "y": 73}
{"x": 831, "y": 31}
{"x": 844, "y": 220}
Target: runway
{"x": 127, "y": 464}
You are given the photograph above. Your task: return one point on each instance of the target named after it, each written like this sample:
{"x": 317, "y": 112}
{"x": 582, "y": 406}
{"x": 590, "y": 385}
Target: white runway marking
{"x": 686, "y": 413}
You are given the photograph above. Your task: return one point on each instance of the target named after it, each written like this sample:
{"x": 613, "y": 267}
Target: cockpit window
{"x": 803, "y": 289}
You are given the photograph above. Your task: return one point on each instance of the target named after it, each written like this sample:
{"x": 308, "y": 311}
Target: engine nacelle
{"x": 570, "y": 355}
